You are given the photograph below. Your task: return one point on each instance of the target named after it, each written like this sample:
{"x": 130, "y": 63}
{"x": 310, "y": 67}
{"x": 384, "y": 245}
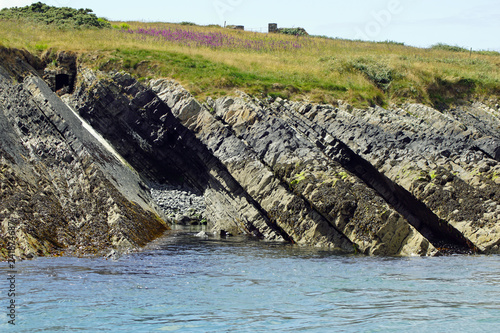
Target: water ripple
{"x": 183, "y": 284}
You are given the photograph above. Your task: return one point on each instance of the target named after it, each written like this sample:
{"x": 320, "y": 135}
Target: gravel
{"x": 182, "y": 205}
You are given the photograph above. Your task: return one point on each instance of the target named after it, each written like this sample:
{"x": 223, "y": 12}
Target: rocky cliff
{"x": 95, "y": 168}
{"x": 62, "y": 187}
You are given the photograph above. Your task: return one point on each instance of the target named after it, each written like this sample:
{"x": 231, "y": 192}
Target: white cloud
{"x": 15, "y": 3}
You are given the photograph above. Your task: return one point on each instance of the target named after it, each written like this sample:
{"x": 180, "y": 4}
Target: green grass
{"x": 343, "y": 175}
{"x": 324, "y": 70}
{"x": 298, "y": 178}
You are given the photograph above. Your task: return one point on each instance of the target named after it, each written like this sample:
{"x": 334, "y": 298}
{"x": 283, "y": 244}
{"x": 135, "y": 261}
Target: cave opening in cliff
{"x": 62, "y": 81}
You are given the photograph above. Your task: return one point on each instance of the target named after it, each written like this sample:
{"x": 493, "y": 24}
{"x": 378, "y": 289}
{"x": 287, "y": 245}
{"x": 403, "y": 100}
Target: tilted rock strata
{"x": 439, "y": 173}
{"x": 312, "y": 198}
{"x": 400, "y": 181}
{"x": 144, "y": 131}
{"x": 60, "y": 188}
{"x": 448, "y": 161}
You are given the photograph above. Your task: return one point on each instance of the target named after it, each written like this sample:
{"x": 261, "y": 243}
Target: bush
{"x": 122, "y": 26}
{"x": 293, "y": 31}
{"x": 491, "y": 53}
{"x": 378, "y": 73}
{"x": 63, "y": 17}
{"x": 445, "y": 47}
{"x": 41, "y": 46}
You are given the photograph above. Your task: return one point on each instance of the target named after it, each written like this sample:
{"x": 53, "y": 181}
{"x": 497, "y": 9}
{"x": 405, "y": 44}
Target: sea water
{"x": 182, "y": 283}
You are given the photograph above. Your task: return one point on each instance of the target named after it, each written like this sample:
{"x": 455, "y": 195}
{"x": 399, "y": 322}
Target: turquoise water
{"x": 185, "y": 284}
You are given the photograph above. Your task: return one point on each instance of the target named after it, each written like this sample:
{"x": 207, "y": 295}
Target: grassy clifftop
{"x": 213, "y": 61}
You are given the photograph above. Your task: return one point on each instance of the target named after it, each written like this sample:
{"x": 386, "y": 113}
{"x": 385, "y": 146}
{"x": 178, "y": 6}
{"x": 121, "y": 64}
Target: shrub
{"x": 293, "y": 31}
{"x": 445, "y": 47}
{"x": 491, "y": 53}
{"x": 41, "y": 46}
{"x": 378, "y": 73}
{"x": 63, "y": 17}
{"x": 103, "y": 21}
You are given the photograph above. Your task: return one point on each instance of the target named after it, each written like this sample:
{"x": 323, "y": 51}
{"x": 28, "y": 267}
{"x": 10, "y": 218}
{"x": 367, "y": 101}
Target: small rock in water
{"x": 112, "y": 254}
{"x": 201, "y": 234}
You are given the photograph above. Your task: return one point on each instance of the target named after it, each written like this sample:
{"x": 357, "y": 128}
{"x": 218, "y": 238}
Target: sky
{"x": 470, "y": 24}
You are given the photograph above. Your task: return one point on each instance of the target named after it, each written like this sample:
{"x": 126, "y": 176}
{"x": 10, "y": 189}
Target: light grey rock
{"x": 202, "y": 234}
